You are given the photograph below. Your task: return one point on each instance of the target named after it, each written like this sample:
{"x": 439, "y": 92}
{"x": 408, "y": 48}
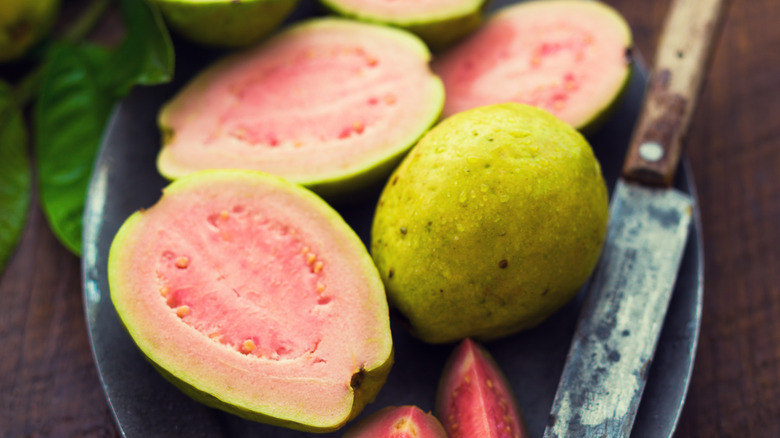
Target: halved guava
{"x": 440, "y": 23}
{"x": 568, "y": 57}
{"x": 332, "y": 104}
{"x": 225, "y": 23}
{"x": 474, "y": 398}
{"x": 398, "y": 422}
{"x": 252, "y": 295}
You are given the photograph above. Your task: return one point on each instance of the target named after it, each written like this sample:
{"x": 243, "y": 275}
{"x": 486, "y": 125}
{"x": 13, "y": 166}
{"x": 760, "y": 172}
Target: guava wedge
{"x": 225, "y": 23}
{"x": 568, "y": 57}
{"x": 253, "y": 296}
{"x": 493, "y": 222}
{"x": 330, "y": 103}
{"x": 474, "y": 398}
{"x": 440, "y": 23}
{"x": 397, "y": 422}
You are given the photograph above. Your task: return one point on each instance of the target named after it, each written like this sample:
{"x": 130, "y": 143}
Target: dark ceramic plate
{"x": 145, "y": 405}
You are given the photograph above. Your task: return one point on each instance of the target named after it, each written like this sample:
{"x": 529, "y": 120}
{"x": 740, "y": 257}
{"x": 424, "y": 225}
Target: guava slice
{"x": 440, "y": 23}
{"x": 568, "y": 57}
{"x": 397, "y": 422}
{"x": 225, "y": 23}
{"x": 252, "y": 295}
{"x": 332, "y": 104}
{"x": 474, "y": 398}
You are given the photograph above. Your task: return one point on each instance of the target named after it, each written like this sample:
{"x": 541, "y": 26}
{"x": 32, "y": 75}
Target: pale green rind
{"x": 225, "y": 23}
{"x": 491, "y": 224}
{"x": 372, "y": 377}
{"x": 438, "y": 30}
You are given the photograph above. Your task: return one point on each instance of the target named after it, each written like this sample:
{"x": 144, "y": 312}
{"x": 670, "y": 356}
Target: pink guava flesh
{"x": 474, "y": 398}
{"x": 326, "y": 99}
{"x": 398, "y": 422}
{"x": 253, "y": 290}
{"x": 565, "y": 56}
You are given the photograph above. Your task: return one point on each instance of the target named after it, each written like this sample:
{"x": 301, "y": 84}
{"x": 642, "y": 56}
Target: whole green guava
{"x": 23, "y": 23}
{"x": 493, "y": 222}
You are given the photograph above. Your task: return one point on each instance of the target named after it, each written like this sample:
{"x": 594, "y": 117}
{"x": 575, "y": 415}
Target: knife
{"x": 626, "y": 302}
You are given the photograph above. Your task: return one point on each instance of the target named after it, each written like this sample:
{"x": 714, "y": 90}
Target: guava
{"x": 493, "y": 222}
{"x": 252, "y": 295}
{"x": 474, "y": 398}
{"x": 24, "y": 23}
{"x": 330, "y": 103}
{"x": 225, "y": 23}
{"x": 440, "y": 23}
{"x": 569, "y": 57}
{"x": 397, "y": 422}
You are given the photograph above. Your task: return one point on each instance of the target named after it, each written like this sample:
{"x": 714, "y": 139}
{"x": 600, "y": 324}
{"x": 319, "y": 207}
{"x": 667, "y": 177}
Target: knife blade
{"x": 621, "y": 318}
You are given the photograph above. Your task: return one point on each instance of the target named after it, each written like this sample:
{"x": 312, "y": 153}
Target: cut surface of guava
{"x": 568, "y": 57}
{"x": 398, "y": 422}
{"x": 474, "y": 398}
{"x": 438, "y": 22}
{"x": 225, "y": 23}
{"x": 330, "y": 103}
{"x": 252, "y": 295}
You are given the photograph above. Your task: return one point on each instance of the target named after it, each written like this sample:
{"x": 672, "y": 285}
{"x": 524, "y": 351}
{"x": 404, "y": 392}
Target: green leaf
{"x": 15, "y": 175}
{"x": 146, "y": 55}
{"x": 79, "y": 87}
{"x": 70, "y": 116}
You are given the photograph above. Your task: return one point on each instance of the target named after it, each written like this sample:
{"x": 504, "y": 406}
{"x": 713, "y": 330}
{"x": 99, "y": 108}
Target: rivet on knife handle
{"x": 672, "y": 91}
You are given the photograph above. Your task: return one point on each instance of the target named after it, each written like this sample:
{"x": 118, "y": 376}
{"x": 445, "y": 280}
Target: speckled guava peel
{"x": 440, "y": 27}
{"x": 493, "y": 221}
{"x": 383, "y": 145}
{"x": 240, "y": 381}
{"x": 569, "y": 57}
{"x": 225, "y": 23}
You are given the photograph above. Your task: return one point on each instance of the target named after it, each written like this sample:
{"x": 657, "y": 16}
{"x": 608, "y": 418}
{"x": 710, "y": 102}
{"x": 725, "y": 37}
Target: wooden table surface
{"x": 49, "y": 386}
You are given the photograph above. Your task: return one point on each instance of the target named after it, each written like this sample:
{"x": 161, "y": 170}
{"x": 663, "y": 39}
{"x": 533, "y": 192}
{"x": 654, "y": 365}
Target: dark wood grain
{"x": 49, "y": 386}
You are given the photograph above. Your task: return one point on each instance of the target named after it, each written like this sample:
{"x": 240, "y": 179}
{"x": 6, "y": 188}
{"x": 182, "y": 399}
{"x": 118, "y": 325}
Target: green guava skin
{"x": 23, "y": 23}
{"x": 365, "y": 393}
{"x": 493, "y": 222}
{"x": 225, "y": 23}
{"x": 437, "y": 31}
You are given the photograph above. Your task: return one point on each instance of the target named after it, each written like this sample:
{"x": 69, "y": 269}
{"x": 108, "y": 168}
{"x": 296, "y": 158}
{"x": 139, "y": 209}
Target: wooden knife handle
{"x": 683, "y": 51}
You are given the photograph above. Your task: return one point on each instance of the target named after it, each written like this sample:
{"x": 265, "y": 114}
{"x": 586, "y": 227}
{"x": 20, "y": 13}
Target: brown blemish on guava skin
{"x": 403, "y": 230}
{"x": 391, "y": 273}
{"x": 357, "y": 378}
{"x": 503, "y": 264}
